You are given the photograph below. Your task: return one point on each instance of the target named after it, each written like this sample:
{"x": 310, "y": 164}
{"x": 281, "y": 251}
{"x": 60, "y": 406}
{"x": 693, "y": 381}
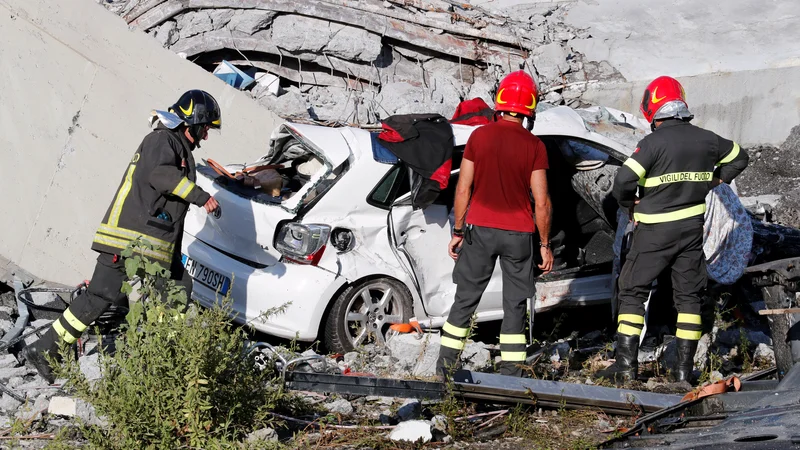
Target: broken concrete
{"x": 417, "y": 354}
{"x": 105, "y": 80}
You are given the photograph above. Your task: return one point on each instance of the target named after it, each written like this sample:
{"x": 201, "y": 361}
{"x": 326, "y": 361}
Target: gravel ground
{"x": 776, "y": 170}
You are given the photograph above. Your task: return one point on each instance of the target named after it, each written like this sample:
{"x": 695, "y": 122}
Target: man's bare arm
{"x": 544, "y": 210}
{"x": 544, "y": 214}
{"x": 463, "y": 192}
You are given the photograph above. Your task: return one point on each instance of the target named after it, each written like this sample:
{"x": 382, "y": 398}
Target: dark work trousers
{"x": 104, "y": 290}
{"x": 677, "y": 245}
{"x": 473, "y": 270}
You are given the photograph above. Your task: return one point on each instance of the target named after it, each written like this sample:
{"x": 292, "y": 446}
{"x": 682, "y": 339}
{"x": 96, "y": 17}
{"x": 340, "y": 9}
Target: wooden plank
{"x": 772, "y": 312}
{"x": 385, "y": 26}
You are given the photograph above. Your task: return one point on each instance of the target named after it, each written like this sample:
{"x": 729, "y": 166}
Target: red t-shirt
{"x": 504, "y": 154}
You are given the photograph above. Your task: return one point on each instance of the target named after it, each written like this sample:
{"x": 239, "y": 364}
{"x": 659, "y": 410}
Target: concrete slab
{"x": 685, "y": 37}
{"x": 750, "y": 107}
{"x": 79, "y": 87}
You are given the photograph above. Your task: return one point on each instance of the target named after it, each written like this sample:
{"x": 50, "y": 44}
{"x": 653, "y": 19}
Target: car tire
{"x": 352, "y": 322}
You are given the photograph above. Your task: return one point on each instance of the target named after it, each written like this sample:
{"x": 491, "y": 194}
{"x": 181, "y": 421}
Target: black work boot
{"x": 36, "y": 357}
{"x": 510, "y": 368}
{"x": 686, "y": 351}
{"x": 626, "y": 365}
{"x": 447, "y": 364}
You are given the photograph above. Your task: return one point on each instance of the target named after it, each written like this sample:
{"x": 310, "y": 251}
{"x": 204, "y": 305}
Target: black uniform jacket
{"x": 673, "y": 168}
{"x": 153, "y": 197}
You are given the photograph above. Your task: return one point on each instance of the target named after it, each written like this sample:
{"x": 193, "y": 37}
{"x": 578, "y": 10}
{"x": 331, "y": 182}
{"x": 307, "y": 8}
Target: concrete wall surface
{"x": 739, "y": 60}
{"x": 78, "y": 87}
{"x": 751, "y": 107}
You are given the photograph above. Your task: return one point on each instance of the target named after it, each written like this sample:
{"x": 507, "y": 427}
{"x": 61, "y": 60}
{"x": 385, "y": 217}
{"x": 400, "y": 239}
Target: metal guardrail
{"x": 491, "y": 388}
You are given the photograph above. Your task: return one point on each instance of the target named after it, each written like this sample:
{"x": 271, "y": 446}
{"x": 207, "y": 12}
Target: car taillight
{"x": 301, "y": 243}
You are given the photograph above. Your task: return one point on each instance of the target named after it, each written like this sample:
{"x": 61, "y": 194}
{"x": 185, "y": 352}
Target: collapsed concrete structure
{"x": 347, "y": 61}
{"x": 79, "y": 88}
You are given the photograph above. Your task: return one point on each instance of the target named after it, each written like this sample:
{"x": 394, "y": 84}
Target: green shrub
{"x": 179, "y": 376}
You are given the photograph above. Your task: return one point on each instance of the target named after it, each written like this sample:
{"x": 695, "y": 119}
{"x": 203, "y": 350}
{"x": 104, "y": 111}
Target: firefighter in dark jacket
{"x": 153, "y": 197}
{"x": 503, "y": 165}
{"x": 673, "y": 170}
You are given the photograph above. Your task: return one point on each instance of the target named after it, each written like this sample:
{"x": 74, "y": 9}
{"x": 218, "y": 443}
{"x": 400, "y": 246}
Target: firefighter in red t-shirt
{"x": 503, "y": 163}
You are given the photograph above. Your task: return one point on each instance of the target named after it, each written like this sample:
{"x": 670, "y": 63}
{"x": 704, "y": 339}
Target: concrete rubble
{"x": 359, "y": 61}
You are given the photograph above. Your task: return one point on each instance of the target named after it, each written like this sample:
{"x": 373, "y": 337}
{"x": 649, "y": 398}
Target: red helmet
{"x": 659, "y": 92}
{"x": 517, "y": 94}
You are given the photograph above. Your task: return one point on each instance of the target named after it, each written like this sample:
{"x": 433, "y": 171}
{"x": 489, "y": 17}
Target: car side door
{"x": 420, "y": 238}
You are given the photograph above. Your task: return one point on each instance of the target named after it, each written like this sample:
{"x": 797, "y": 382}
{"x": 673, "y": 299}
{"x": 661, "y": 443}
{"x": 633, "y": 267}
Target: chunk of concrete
{"x": 90, "y": 367}
{"x": 550, "y": 60}
{"x": 764, "y": 355}
{"x": 249, "y": 21}
{"x": 263, "y": 435}
{"x": 8, "y": 361}
{"x": 8, "y": 403}
{"x": 220, "y": 17}
{"x": 193, "y": 23}
{"x": 11, "y": 372}
{"x": 412, "y": 431}
{"x": 306, "y": 34}
{"x": 32, "y": 410}
{"x": 87, "y": 414}
{"x": 415, "y": 356}
{"x": 340, "y": 406}
{"x": 63, "y": 406}
{"x": 167, "y": 33}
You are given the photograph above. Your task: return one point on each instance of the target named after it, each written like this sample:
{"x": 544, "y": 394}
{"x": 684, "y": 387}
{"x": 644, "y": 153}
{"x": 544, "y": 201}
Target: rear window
{"x": 293, "y": 170}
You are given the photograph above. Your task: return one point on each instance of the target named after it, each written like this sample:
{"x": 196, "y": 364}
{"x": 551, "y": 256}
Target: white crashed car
{"x": 346, "y": 254}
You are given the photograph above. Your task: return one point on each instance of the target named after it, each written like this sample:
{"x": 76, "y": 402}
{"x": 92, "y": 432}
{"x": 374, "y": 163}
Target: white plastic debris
{"x": 63, "y": 406}
{"x": 412, "y": 431}
{"x": 268, "y": 82}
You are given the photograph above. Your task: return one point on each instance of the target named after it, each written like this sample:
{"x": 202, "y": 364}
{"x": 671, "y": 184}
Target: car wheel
{"x": 363, "y": 313}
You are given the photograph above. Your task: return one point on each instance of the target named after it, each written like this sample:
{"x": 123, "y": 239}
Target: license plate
{"x": 205, "y": 276}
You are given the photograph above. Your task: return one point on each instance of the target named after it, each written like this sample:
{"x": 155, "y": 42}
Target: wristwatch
{"x": 458, "y": 232}
{"x": 547, "y": 245}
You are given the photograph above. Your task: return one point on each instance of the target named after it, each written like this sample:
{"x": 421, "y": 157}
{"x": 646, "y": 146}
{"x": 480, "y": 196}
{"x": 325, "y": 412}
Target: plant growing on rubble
{"x": 180, "y": 375}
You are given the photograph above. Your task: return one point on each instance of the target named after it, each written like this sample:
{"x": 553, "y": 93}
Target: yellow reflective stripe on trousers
{"x": 676, "y": 177}
{"x": 122, "y": 244}
{"x": 513, "y": 356}
{"x": 688, "y": 335}
{"x": 680, "y": 214}
{"x": 732, "y": 155}
{"x": 693, "y": 319}
{"x": 74, "y": 322}
{"x": 452, "y": 343}
{"x": 635, "y": 167}
{"x": 133, "y": 235}
{"x": 454, "y": 330}
{"x": 512, "y": 339}
{"x": 632, "y": 318}
{"x": 116, "y": 210}
{"x": 63, "y": 333}
{"x": 628, "y": 330}
{"x": 183, "y": 188}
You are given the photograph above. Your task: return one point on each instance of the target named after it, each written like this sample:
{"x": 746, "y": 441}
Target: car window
{"x": 393, "y": 185}
{"x": 396, "y": 184}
